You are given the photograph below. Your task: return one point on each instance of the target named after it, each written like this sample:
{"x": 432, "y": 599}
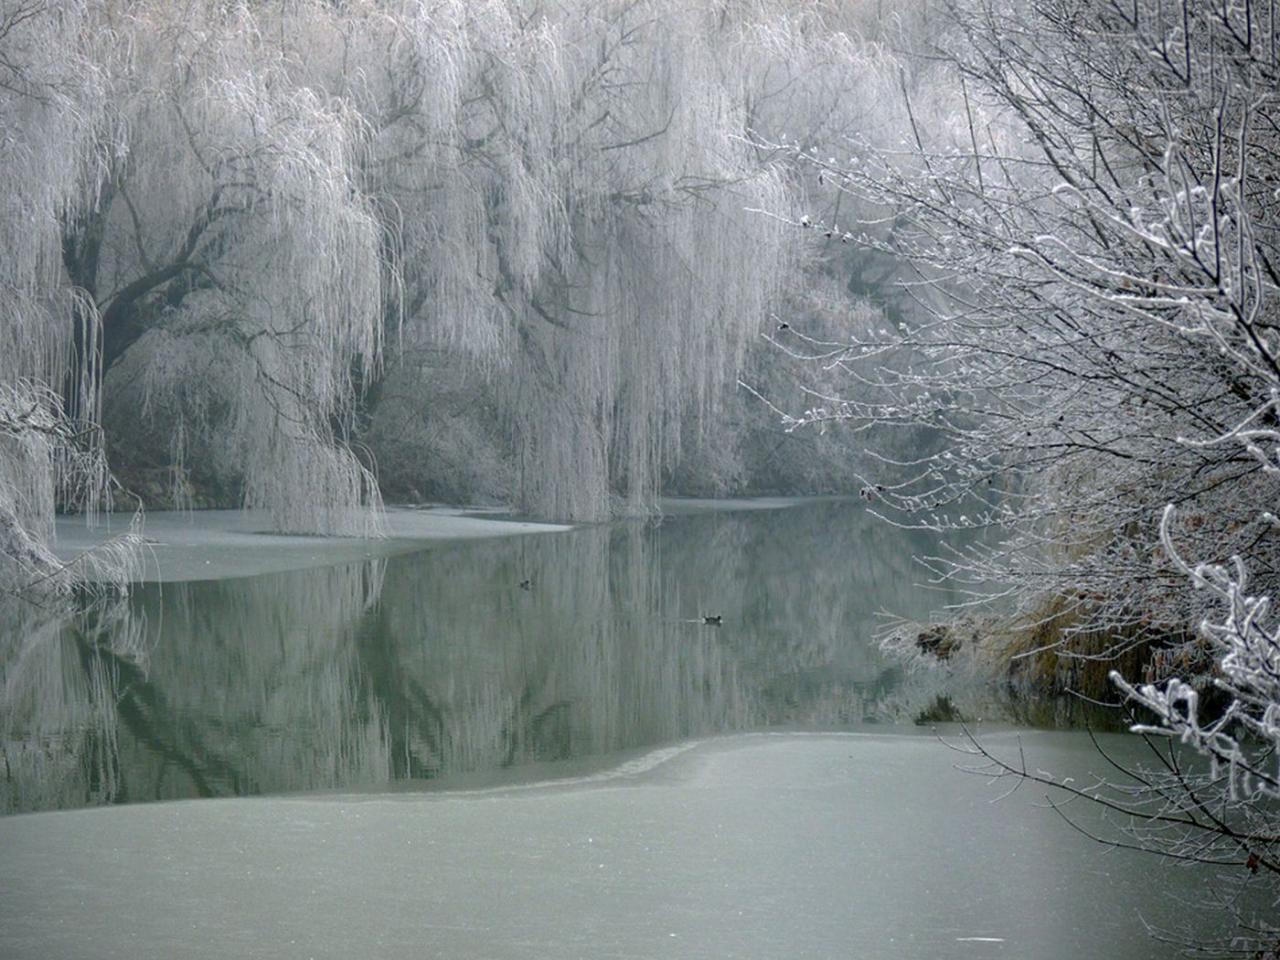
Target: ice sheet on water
{"x": 217, "y": 544}
{"x": 797, "y": 846}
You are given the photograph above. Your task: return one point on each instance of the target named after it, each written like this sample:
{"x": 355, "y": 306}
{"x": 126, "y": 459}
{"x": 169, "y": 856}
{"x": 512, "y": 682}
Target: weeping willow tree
{"x": 239, "y": 265}
{"x": 54, "y": 109}
{"x": 238, "y": 229}
{"x": 576, "y": 223}
{"x": 167, "y": 183}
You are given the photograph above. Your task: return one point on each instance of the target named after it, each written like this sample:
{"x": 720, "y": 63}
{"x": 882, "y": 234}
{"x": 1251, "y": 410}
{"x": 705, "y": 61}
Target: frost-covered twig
{"x": 1243, "y": 738}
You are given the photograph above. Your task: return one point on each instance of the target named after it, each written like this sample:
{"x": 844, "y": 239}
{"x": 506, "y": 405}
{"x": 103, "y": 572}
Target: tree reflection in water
{"x": 441, "y": 663}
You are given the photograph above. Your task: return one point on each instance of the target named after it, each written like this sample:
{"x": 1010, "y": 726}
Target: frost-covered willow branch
{"x": 252, "y": 298}
{"x": 55, "y": 106}
{"x": 573, "y": 188}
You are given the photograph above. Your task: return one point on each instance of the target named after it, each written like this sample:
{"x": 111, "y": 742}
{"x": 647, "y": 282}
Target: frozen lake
{"x": 754, "y": 846}
{"x": 530, "y": 746}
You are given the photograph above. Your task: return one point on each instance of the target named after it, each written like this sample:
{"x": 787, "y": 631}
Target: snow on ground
{"x": 759, "y": 846}
{"x": 214, "y": 544}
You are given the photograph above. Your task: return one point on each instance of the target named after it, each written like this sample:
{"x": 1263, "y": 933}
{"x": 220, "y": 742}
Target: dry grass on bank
{"x": 1057, "y": 648}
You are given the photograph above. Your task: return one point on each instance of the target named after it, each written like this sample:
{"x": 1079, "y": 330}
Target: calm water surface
{"x": 470, "y": 658}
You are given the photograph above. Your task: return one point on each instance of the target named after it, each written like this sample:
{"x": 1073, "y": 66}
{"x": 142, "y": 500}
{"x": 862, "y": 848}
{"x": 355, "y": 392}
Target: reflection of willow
{"x": 59, "y": 673}
{"x": 203, "y": 689}
{"x": 441, "y": 662}
{"x": 254, "y": 684}
{"x": 483, "y": 674}
{"x": 600, "y": 655}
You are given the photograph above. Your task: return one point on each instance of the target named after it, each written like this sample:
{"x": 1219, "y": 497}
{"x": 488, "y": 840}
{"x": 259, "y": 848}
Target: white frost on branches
{"x": 1081, "y": 201}
{"x": 1243, "y": 739}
